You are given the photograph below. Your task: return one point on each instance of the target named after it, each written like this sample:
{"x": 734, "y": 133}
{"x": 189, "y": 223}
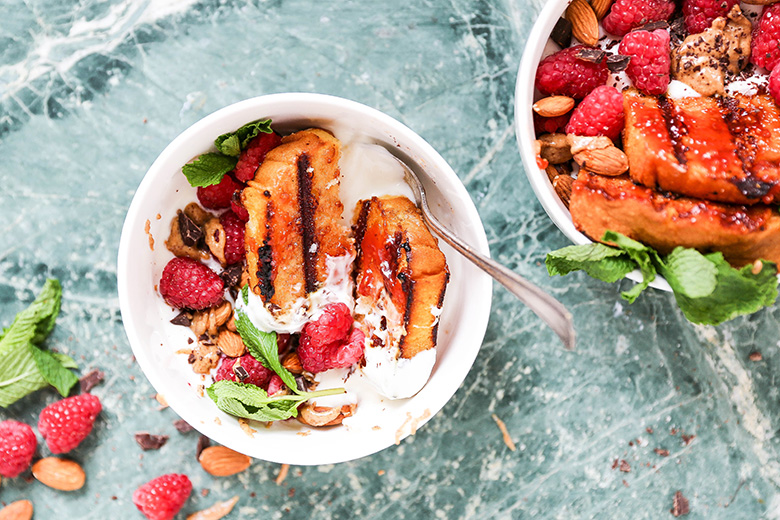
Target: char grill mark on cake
{"x": 308, "y": 206}
{"x": 295, "y": 219}
{"x": 724, "y": 149}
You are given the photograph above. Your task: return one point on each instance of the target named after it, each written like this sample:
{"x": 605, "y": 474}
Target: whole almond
{"x": 61, "y": 474}
{"x": 554, "y": 106}
{"x": 220, "y": 461}
{"x": 231, "y": 344}
{"x": 555, "y": 148}
{"x": 19, "y": 510}
{"x": 584, "y": 24}
{"x": 601, "y": 7}
{"x": 605, "y": 161}
{"x": 215, "y": 512}
{"x": 562, "y": 185}
{"x": 293, "y": 363}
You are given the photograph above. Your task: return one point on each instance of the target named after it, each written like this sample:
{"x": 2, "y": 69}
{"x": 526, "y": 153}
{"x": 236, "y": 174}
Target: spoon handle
{"x": 550, "y": 310}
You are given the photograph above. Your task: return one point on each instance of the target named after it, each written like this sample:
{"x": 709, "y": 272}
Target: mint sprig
{"x": 708, "y": 290}
{"x": 252, "y": 402}
{"x": 210, "y": 168}
{"x": 24, "y": 366}
{"x": 233, "y": 142}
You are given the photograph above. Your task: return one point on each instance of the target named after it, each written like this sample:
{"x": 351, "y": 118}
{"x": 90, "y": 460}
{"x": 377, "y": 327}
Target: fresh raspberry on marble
{"x": 253, "y": 155}
{"x": 650, "y": 60}
{"x": 550, "y": 125}
{"x": 219, "y": 196}
{"x": 601, "y": 113}
{"x": 699, "y": 14}
{"x": 189, "y": 284}
{"x": 765, "y": 46}
{"x": 234, "y": 237}
{"x": 563, "y": 74}
{"x": 251, "y": 371}
{"x": 238, "y": 208}
{"x": 163, "y": 497}
{"x": 626, "y": 15}
{"x": 66, "y": 423}
{"x": 17, "y": 447}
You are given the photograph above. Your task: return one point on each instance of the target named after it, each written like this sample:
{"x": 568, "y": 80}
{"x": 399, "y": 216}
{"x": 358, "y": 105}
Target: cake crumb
{"x": 244, "y": 425}
{"x": 507, "y": 439}
{"x": 163, "y": 402}
{"x": 282, "y": 474}
{"x": 148, "y": 230}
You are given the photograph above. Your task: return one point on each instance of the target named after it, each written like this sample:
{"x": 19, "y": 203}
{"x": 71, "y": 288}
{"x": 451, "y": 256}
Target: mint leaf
{"x": 639, "y": 253}
{"x": 233, "y": 142}
{"x": 605, "y": 263}
{"x": 252, "y": 402}
{"x": 19, "y": 372}
{"x": 53, "y": 371}
{"x": 65, "y": 360}
{"x": 735, "y": 292}
{"x": 263, "y": 347}
{"x": 208, "y": 169}
{"x": 245, "y": 294}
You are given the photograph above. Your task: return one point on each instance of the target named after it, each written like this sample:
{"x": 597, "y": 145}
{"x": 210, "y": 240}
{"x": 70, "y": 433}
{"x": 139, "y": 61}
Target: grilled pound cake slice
{"x": 743, "y": 234}
{"x": 725, "y": 149}
{"x": 401, "y": 275}
{"x": 295, "y": 219}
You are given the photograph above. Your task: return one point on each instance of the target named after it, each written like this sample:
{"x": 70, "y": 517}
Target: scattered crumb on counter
{"x": 282, "y": 474}
{"x": 505, "y": 433}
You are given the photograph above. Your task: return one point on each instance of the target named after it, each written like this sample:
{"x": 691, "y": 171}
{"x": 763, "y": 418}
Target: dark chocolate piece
{"x": 618, "y": 62}
{"x": 203, "y": 443}
{"x": 150, "y": 442}
{"x": 91, "y": 380}
{"x": 590, "y": 54}
{"x": 652, "y": 26}
{"x": 190, "y": 233}
{"x": 561, "y": 33}
{"x": 680, "y": 505}
{"x": 182, "y": 426}
{"x": 231, "y": 275}
{"x": 183, "y": 319}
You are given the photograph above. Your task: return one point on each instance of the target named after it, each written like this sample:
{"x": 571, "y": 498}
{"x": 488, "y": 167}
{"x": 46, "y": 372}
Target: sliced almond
{"x": 562, "y": 185}
{"x": 554, "y": 106}
{"x": 220, "y": 461}
{"x": 584, "y": 24}
{"x": 215, "y": 512}
{"x": 601, "y": 7}
{"x": 325, "y": 416}
{"x": 605, "y": 161}
{"x": 214, "y": 235}
{"x": 231, "y": 344}
{"x": 19, "y": 510}
{"x": 61, "y": 474}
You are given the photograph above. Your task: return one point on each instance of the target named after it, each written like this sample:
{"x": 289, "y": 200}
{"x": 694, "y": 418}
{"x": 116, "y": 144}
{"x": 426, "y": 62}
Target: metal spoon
{"x": 550, "y": 310}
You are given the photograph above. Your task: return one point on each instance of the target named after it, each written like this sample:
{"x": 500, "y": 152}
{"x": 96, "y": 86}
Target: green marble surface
{"x": 92, "y": 91}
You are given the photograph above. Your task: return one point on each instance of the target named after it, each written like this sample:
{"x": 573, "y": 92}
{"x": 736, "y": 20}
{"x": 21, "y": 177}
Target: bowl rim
{"x": 524, "y": 126}
{"x": 481, "y": 291}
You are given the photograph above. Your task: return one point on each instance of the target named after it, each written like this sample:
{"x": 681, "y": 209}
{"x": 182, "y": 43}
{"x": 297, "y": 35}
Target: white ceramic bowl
{"x": 155, "y": 341}
{"x": 538, "y": 47}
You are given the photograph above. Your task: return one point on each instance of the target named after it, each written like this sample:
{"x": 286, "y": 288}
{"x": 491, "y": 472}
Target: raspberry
{"x": 254, "y": 154}
{"x": 650, "y": 60}
{"x": 234, "y": 237}
{"x": 630, "y": 14}
{"x": 275, "y": 384}
{"x": 327, "y": 343}
{"x": 774, "y": 84}
{"x": 765, "y": 46}
{"x": 601, "y": 113}
{"x": 699, "y": 14}
{"x": 163, "y": 497}
{"x": 550, "y": 125}
{"x": 563, "y": 74}
{"x": 66, "y": 423}
{"x": 256, "y": 373}
{"x": 332, "y": 325}
{"x": 17, "y": 447}
{"x": 218, "y": 196}
{"x": 238, "y": 208}
{"x": 187, "y": 283}
{"x": 350, "y": 351}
